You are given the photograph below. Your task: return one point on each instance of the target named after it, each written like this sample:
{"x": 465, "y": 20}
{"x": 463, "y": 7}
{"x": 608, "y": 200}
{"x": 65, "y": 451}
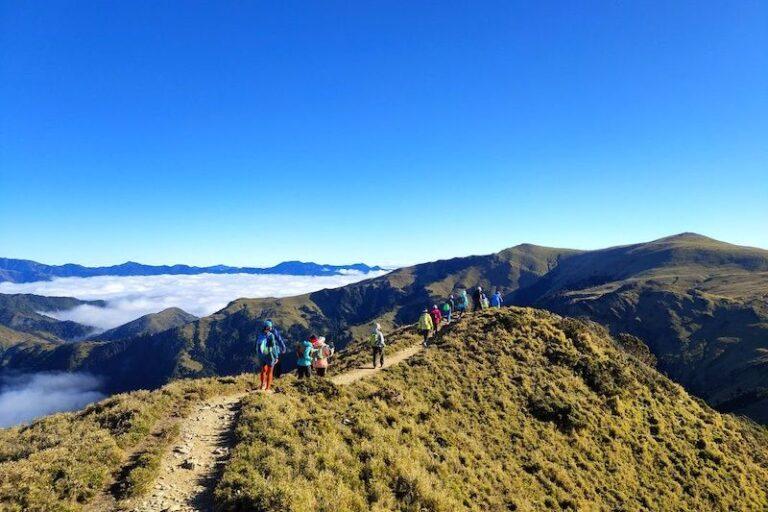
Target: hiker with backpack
{"x": 437, "y": 317}
{"x": 269, "y": 354}
{"x": 323, "y": 352}
{"x": 462, "y": 304}
{"x": 425, "y": 326}
{"x": 446, "y": 312}
{"x": 477, "y": 299}
{"x": 304, "y": 355}
{"x": 484, "y": 304}
{"x": 277, "y": 371}
{"x": 496, "y": 299}
{"x": 377, "y": 345}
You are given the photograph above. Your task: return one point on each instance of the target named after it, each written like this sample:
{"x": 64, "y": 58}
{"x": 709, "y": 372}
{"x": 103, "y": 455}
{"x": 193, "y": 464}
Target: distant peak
{"x": 687, "y": 236}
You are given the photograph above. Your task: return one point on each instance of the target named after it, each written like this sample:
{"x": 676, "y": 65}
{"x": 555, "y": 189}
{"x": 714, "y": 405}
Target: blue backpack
{"x": 268, "y": 349}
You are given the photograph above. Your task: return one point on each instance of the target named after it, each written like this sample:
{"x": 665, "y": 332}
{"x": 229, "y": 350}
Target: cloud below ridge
{"x": 130, "y": 297}
{"x": 25, "y": 397}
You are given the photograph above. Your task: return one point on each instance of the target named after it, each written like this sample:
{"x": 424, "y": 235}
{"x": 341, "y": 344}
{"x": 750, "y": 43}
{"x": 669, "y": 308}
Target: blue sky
{"x": 385, "y": 132}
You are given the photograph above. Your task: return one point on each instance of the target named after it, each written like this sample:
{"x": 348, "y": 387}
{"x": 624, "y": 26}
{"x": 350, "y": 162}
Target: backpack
{"x": 267, "y": 346}
{"x": 323, "y": 353}
{"x": 446, "y": 307}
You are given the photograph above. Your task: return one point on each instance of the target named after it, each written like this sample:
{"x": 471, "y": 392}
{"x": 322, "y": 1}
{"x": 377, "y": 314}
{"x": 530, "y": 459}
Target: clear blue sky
{"x": 387, "y": 132}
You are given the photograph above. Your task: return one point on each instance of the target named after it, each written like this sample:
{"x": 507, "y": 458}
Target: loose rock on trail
{"x": 189, "y": 472}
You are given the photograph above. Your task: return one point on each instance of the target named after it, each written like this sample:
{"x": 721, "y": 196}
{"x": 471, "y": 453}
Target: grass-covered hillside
{"x": 516, "y": 409}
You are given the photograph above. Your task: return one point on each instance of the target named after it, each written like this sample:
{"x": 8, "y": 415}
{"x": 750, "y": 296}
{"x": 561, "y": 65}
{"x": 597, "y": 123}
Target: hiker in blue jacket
{"x": 305, "y": 352}
{"x": 269, "y": 352}
{"x": 462, "y": 305}
{"x": 277, "y": 371}
{"x": 497, "y": 300}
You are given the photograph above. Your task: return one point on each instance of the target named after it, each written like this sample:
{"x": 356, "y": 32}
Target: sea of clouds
{"x": 25, "y": 397}
{"x": 129, "y": 297}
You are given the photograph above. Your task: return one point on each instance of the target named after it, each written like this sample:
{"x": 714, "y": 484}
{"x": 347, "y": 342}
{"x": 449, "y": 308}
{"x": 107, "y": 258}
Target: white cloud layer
{"x": 29, "y": 396}
{"x": 130, "y": 297}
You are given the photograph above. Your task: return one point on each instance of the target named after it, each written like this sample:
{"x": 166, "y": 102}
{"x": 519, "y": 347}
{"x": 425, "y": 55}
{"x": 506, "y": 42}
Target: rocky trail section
{"x": 189, "y": 471}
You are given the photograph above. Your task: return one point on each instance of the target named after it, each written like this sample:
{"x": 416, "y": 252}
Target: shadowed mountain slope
{"x": 698, "y": 303}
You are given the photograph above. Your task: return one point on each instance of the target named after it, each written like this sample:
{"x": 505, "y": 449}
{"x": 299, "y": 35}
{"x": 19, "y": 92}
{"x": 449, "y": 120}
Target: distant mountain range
{"x": 27, "y": 271}
{"x": 700, "y": 305}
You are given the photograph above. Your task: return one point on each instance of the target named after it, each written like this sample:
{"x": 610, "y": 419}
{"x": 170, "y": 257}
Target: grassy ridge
{"x": 109, "y": 451}
{"x": 514, "y": 410}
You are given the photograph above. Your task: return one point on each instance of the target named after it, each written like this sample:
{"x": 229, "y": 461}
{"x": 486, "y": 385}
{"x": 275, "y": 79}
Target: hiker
{"x": 484, "y": 304}
{"x": 462, "y": 304}
{"x": 323, "y": 351}
{"x": 497, "y": 300}
{"x": 477, "y": 299}
{"x": 425, "y": 326}
{"x": 452, "y": 302}
{"x": 304, "y": 354}
{"x": 269, "y": 355}
{"x": 277, "y": 371}
{"x": 436, "y": 317}
{"x": 446, "y": 312}
{"x": 377, "y": 345}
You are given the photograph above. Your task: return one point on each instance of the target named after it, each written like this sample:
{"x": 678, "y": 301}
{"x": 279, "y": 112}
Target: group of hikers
{"x": 432, "y": 319}
{"x": 313, "y": 354}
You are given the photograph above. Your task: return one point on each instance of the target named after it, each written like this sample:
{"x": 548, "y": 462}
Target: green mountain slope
{"x": 24, "y": 312}
{"x": 515, "y": 410}
{"x": 9, "y": 338}
{"x": 148, "y": 324}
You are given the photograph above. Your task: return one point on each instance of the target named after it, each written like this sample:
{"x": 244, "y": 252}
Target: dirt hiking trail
{"x": 190, "y": 470}
{"x": 360, "y": 373}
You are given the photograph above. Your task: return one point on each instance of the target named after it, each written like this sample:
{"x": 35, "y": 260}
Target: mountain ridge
{"x": 697, "y": 303}
{"x": 26, "y": 271}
